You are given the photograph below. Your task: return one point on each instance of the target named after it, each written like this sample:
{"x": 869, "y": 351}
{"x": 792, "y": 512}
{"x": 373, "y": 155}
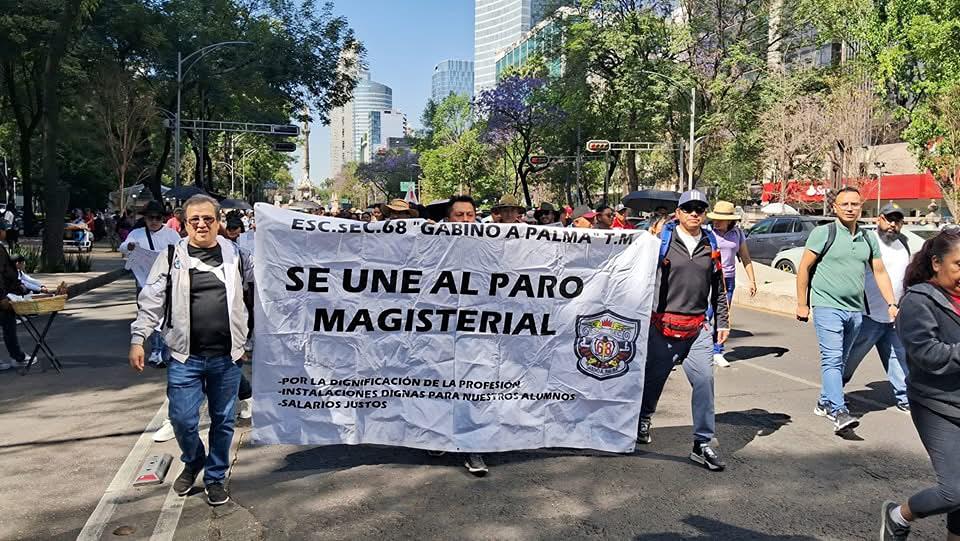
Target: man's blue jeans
{"x": 217, "y": 378}
{"x": 836, "y": 331}
{"x": 893, "y": 356}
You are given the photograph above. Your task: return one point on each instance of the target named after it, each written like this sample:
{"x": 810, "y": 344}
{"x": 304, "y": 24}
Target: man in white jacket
{"x": 155, "y": 237}
{"x": 197, "y": 292}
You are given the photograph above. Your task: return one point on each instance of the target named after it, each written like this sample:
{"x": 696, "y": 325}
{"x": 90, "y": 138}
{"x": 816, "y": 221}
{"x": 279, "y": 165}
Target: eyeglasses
{"x": 195, "y": 221}
{"x": 696, "y": 209}
{"x": 849, "y": 205}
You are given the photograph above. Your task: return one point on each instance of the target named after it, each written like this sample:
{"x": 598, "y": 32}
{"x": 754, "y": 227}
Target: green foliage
{"x": 31, "y": 257}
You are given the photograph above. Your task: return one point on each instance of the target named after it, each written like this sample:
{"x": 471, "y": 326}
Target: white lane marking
{"x": 93, "y": 529}
{"x": 169, "y": 518}
{"x": 791, "y": 377}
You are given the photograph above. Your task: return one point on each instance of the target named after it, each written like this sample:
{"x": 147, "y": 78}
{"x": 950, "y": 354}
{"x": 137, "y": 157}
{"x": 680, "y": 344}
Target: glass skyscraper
{"x": 497, "y": 24}
{"x": 452, "y": 77}
{"x": 368, "y": 96}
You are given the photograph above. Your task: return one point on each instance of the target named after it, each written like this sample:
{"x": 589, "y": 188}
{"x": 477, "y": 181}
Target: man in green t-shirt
{"x": 837, "y": 297}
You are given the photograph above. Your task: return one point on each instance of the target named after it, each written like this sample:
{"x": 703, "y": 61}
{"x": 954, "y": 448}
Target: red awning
{"x": 893, "y": 187}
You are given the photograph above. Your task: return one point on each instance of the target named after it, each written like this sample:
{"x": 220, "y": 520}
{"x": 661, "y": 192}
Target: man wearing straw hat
{"x": 732, "y": 243}
{"x": 507, "y": 211}
{"x": 398, "y": 209}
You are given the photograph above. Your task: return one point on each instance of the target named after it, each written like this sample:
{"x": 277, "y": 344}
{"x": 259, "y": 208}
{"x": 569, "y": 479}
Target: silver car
{"x": 789, "y": 260}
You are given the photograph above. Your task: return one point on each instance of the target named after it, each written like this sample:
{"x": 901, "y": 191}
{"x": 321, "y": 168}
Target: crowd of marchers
{"x": 863, "y": 290}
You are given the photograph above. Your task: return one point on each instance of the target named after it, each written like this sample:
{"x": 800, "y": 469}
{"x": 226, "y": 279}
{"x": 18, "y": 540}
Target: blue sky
{"x": 405, "y": 39}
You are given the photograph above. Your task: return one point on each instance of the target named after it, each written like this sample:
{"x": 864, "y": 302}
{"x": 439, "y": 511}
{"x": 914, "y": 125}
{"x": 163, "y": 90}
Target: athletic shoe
{"x": 216, "y": 494}
{"x": 156, "y": 359}
{"x": 719, "y": 360}
{"x": 476, "y": 465}
{"x": 904, "y": 407}
{"x": 844, "y": 421}
{"x": 889, "y": 529}
{"x": 164, "y": 433}
{"x": 184, "y": 482}
{"x": 245, "y": 409}
{"x": 643, "y": 432}
{"x": 5, "y": 365}
{"x": 704, "y": 454}
{"x": 823, "y": 410}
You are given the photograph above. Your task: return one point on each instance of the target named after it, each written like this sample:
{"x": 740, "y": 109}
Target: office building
{"x": 497, "y": 24}
{"x": 452, "y": 77}
{"x": 368, "y": 96}
{"x": 538, "y": 41}
{"x": 381, "y": 127}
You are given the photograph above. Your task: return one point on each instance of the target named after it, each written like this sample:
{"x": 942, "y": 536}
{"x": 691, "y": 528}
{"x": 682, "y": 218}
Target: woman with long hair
{"x": 732, "y": 244}
{"x": 929, "y": 326}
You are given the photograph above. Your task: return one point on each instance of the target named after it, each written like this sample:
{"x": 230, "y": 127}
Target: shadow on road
{"x": 710, "y": 529}
{"x": 877, "y": 392}
{"x": 745, "y": 353}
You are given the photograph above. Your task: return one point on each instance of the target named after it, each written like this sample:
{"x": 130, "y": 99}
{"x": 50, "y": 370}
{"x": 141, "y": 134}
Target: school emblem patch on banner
{"x": 606, "y": 343}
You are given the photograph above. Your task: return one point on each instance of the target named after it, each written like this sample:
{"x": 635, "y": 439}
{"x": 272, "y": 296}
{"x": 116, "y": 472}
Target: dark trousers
{"x": 246, "y": 390}
{"x": 941, "y": 438}
{"x": 8, "y": 322}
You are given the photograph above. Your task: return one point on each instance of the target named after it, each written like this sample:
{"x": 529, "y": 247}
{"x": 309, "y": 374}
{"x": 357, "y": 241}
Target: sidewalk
{"x": 106, "y": 267}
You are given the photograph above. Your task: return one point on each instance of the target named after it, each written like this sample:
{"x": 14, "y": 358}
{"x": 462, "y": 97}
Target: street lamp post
{"x": 693, "y": 112}
{"x": 880, "y": 166}
{"x": 181, "y": 72}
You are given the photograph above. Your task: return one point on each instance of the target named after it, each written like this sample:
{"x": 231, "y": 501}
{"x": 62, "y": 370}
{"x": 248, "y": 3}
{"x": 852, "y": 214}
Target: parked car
{"x": 788, "y": 260}
{"x": 771, "y": 235}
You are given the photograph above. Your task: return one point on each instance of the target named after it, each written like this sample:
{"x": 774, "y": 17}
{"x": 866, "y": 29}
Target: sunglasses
{"x": 893, "y": 218}
{"x": 693, "y": 209}
{"x": 195, "y": 221}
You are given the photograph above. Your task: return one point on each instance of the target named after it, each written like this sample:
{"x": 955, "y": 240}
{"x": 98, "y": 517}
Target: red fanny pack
{"x": 678, "y": 326}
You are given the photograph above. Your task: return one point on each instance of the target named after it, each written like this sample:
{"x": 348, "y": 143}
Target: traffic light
{"x": 285, "y": 147}
{"x": 539, "y": 160}
{"x": 286, "y": 129}
{"x": 598, "y": 145}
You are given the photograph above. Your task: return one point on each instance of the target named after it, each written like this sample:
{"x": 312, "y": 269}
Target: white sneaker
{"x": 156, "y": 357}
{"x": 5, "y": 365}
{"x": 245, "y": 409}
{"x": 164, "y": 433}
{"x": 720, "y": 361}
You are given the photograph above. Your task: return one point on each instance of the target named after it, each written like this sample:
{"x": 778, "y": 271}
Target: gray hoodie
{"x": 152, "y": 300}
{"x": 929, "y": 328}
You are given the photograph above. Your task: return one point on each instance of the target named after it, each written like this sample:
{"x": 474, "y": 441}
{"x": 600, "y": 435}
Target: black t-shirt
{"x": 209, "y": 316}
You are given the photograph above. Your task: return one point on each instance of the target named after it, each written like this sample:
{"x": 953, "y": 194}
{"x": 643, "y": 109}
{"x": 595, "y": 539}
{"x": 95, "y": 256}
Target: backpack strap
{"x": 831, "y": 238}
{"x": 167, "y": 308}
{"x": 149, "y": 238}
{"x": 903, "y": 240}
{"x": 666, "y": 236}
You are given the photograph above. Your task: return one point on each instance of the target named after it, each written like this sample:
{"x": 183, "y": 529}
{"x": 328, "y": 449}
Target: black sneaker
{"x": 704, "y": 454}
{"x": 476, "y": 465}
{"x": 890, "y": 530}
{"x": 216, "y": 494}
{"x": 904, "y": 407}
{"x": 844, "y": 421}
{"x": 643, "y": 432}
{"x": 184, "y": 482}
{"x": 823, "y": 410}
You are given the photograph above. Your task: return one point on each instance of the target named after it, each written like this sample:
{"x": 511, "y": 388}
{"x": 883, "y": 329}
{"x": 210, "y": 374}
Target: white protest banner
{"x": 139, "y": 262}
{"x": 456, "y": 337}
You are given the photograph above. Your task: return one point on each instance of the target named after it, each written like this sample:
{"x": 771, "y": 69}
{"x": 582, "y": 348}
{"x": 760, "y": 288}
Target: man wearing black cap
{"x": 690, "y": 279}
{"x": 9, "y": 283}
{"x": 153, "y": 236}
{"x": 877, "y": 328}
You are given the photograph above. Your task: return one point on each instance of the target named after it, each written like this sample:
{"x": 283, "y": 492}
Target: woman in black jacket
{"x": 929, "y": 326}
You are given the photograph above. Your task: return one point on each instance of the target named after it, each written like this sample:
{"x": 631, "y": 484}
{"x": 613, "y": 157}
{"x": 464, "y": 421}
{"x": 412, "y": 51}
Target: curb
{"x": 769, "y": 302}
{"x": 97, "y": 281}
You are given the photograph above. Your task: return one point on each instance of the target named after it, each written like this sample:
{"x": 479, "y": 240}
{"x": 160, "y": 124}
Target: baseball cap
{"x": 152, "y": 207}
{"x": 690, "y": 196}
{"x": 892, "y": 208}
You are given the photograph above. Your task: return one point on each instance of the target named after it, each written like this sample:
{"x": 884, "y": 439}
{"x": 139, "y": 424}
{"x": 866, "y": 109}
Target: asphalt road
{"x": 63, "y": 439}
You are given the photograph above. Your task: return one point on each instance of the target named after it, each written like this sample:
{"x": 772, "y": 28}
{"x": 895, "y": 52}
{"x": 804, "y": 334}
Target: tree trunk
{"x": 55, "y": 193}
{"x": 154, "y": 182}
{"x": 522, "y": 173}
{"x": 26, "y": 184}
{"x": 631, "y": 157}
